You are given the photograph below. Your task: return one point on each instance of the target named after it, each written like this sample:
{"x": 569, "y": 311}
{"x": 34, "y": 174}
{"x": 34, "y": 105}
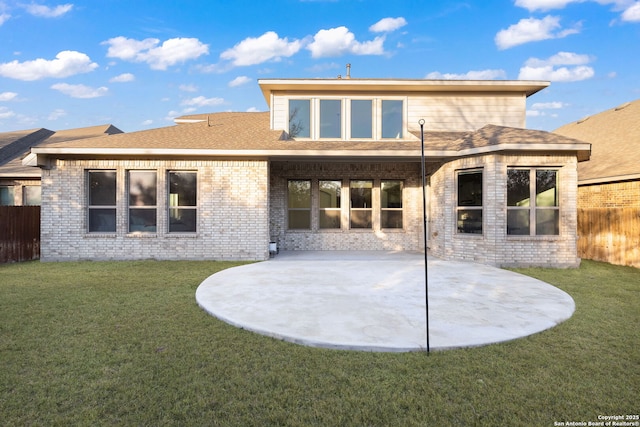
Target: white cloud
{"x": 56, "y": 114}
{"x": 147, "y": 122}
{"x": 123, "y": 78}
{"x": 252, "y": 110}
{"x": 560, "y": 58}
{"x": 201, "y": 101}
{"x": 561, "y": 67}
{"x": 4, "y": 17}
{"x": 5, "y": 113}
{"x": 46, "y": 11}
{"x": 239, "y": 81}
{"x": 7, "y": 96}
{"x": 533, "y": 5}
{"x": 532, "y": 29}
{"x": 339, "y": 41}
{"x": 159, "y": 57}
{"x": 556, "y": 105}
{"x": 67, "y": 63}
{"x": 471, "y": 75}
{"x": 387, "y": 25}
{"x": 188, "y": 88}
{"x": 632, "y": 13}
{"x": 267, "y": 47}
{"x": 630, "y": 8}
{"x": 80, "y": 91}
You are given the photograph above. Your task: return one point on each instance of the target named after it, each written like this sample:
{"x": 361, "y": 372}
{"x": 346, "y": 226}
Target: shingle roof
{"x": 248, "y": 134}
{"x": 615, "y": 138}
{"x": 15, "y": 145}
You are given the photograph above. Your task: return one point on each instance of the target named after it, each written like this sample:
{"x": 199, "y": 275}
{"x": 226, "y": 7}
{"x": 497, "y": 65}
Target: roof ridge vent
{"x": 582, "y": 120}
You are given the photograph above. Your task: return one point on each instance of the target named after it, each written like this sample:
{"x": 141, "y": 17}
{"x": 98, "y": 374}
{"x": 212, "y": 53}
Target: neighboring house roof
{"x": 249, "y": 135}
{"x": 615, "y": 138}
{"x": 14, "y": 146}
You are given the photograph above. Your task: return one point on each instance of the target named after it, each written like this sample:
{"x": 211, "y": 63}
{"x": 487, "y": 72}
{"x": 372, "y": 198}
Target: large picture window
{"x": 183, "y": 201}
{"x": 299, "y": 204}
{"x": 533, "y": 205}
{"x": 392, "y": 118}
{"x": 142, "y": 201}
{"x": 360, "y": 203}
{"x": 361, "y": 118}
{"x": 330, "y": 118}
{"x": 329, "y": 194}
{"x": 391, "y": 204}
{"x": 469, "y": 208}
{"x": 300, "y": 118}
{"x": 102, "y": 201}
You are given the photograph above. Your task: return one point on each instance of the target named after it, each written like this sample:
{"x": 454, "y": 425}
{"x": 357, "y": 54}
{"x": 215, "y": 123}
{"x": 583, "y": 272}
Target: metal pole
{"x": 424, "y": 233}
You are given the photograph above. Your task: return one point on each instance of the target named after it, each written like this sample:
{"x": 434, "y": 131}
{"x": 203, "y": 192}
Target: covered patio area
{"x": 375, "y": 301}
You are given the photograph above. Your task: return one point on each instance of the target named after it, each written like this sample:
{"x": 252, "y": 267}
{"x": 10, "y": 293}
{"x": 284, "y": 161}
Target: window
{"x": 392, "y": 118}
{"x": 533, "y": 206}
{"x": 31, "y": 195}
{"x": 102, "y": 201}
{"x": 330, "y": 118}
{"x": 329, "y": 193}
{"x": 6, "y": 196}
{"x": 391, "y": 204}
{"x": 183, "y": 200}
{"x": 360, "y": 193}
{"x": 142, "y": 201}
{"x": 469, "y": 209}
{"x": 299, "y": 203}
{"x": 300, "y": 118}
{"x": 361, "y": 118}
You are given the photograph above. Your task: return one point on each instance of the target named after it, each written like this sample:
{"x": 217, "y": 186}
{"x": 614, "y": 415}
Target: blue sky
{"x": 137, "y": 64}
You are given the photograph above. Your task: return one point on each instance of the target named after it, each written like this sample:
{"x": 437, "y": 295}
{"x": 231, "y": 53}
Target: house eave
{"x": 609, "y": 179}
{"x": 268, "y": 86}
{"x": 39, "y": 156}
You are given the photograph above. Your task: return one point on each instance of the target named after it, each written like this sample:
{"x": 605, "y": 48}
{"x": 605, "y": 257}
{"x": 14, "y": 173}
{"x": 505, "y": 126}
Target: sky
{"x": 138, "y": 64}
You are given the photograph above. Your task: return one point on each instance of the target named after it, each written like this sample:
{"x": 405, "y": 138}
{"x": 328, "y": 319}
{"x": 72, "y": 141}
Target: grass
{"x": 124, "y": 343}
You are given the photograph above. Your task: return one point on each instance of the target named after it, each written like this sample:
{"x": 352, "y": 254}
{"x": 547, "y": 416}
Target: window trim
{"x": 309, "y": 209}
{"x": 459, "y": 207}
{"x": 91, "y": 207}
{"x": 131, "y": 207}
{"x": 400, "y": 209}
{"x": 533, "y": 208}
{"x": 171, "y": 207}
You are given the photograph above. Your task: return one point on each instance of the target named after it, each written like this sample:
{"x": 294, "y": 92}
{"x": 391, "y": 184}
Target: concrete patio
{"x": 375, "y": 301}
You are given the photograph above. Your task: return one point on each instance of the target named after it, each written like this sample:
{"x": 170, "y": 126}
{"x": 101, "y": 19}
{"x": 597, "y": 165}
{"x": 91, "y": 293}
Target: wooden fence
{"x": 610, "y": 234}
{"x": 19, "y": 233}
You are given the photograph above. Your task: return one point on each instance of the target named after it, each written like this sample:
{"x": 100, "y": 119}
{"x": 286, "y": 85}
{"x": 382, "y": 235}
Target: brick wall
{"x": 494, "y": 246}
{"x": 232, "y": 213}
{"x": 610, "y": 195}
{"x": 408, "y": 238}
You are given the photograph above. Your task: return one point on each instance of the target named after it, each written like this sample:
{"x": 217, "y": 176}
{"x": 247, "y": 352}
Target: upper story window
{"x": 392, "y": 119}
{"x": 326, "y": 118}
{"x": 300, "y": 118}
{"x": 331, "y": 118}
{"x": 102, "y": 201}
{"x": 361, "y": 118}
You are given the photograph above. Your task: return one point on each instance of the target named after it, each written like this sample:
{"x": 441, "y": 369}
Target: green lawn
{"x": 124, "y": 343}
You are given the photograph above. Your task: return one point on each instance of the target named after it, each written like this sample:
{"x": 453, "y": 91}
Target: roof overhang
{"x": 40, "y": 156}
{"x": 354, "y": 86}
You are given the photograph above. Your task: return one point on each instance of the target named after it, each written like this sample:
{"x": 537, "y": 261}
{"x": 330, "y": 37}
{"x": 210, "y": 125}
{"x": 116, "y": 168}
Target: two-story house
{"x": 335, "y": 164}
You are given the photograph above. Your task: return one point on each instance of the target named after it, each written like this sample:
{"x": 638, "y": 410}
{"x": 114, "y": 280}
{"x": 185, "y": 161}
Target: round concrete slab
{"x": 375, "y": 301}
